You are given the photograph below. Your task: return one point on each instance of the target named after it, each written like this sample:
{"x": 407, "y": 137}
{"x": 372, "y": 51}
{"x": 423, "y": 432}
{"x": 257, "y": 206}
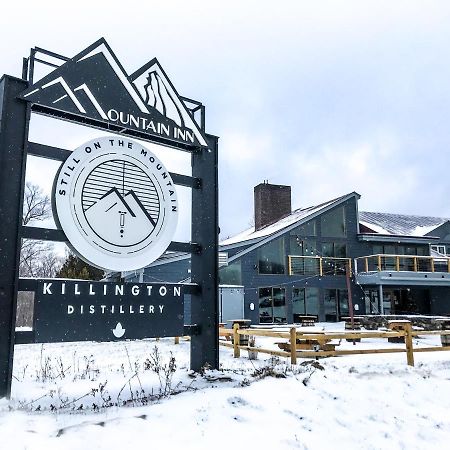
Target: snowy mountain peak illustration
{"x": 94, "y": 85}
{"x": 120, "y": 220}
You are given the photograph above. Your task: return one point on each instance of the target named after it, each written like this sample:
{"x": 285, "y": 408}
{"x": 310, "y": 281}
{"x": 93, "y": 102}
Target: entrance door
{"x": 272, "y": 305}
{"x": 372, "y": 299}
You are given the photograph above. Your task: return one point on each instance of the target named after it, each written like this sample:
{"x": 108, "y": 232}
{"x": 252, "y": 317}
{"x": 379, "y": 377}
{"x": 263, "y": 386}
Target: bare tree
{"x": 37, "y": 258}
{"x": 36, "y": 205}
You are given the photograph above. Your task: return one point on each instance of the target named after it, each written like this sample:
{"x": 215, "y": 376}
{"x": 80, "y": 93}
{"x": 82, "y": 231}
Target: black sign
{"x": 94, "y": 85}
{"x": 67, "y": 310}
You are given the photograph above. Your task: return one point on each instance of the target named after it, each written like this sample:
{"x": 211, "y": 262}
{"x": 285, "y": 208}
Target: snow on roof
{"x": 247, "y": 236}
{"x": 398, "y": 224}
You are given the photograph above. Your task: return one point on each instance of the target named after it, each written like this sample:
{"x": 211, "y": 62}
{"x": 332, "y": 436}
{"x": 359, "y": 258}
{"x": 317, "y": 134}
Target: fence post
{"x": 293, "y": 340}
{"x": 409, "y": 344}
{"x": 236, "y": 339}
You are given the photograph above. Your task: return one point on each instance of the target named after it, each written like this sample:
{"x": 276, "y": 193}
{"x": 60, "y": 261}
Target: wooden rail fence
{"x": 400, "y": 329}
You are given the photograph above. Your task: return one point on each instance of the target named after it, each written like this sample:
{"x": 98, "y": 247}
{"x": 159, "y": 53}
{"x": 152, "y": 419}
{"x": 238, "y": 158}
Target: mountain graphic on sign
{"x": 94, "y": 85}
{"x": 120, "y": 220}
{"x": 157, "y": 91}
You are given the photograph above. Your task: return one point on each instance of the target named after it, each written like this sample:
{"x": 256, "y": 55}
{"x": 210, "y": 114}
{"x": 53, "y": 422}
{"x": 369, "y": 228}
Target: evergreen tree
{"x": 75, "y": 267}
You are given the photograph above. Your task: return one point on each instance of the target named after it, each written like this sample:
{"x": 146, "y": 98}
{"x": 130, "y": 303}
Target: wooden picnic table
{"x": 310, "y": 343}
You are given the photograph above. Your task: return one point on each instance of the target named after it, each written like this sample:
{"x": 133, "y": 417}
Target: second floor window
{"x": 272, "y": 257}
{"x": 334, "y": 250}
{"x": 333, "y": 223}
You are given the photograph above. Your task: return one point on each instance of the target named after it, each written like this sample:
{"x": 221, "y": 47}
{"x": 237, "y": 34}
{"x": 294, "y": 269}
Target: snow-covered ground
{"x": 65, "y": 396}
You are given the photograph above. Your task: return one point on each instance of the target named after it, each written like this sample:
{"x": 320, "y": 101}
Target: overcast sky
{"x": 327, "y": 96}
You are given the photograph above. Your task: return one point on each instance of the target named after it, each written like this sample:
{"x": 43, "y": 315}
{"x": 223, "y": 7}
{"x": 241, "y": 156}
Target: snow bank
{"x": 355, "y": 402}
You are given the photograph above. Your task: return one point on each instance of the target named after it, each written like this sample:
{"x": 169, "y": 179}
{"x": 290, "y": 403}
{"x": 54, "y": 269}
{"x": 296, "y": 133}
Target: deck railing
{"x": 401, "y": 263}
{"x": 317, "y": 265}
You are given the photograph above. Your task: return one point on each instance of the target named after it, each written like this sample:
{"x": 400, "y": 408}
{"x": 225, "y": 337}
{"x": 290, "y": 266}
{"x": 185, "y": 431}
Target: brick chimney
{"x": 272, "y": 202}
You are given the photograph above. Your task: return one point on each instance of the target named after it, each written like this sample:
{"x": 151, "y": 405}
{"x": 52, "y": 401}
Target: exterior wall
{"x": 171, "y": 273}
{"x": 434, "y": 300}
{"x": 252, "y": 280}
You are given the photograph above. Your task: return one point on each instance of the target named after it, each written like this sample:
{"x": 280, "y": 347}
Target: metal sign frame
{"x": 15, "y": 115}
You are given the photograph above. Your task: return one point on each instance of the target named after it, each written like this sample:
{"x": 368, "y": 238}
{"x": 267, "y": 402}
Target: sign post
{"x": 204, "y": 265}
{"x": 14, "y": 116}
{"x": 114, "y": 204}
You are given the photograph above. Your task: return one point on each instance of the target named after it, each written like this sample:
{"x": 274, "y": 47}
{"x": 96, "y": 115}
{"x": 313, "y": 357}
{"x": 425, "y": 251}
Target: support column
{"x": 14, "y": 116}
{"x": 204, "y": 266}
{"x": 380, "y": 297}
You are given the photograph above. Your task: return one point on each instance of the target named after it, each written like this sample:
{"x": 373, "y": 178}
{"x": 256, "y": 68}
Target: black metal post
{"x": 204, "y": 266}
{"x": 14, "y": 115}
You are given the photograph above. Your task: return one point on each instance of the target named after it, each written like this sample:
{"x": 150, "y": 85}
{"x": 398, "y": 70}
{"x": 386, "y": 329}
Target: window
{"x": 331, "y": 250}
{"x": 302, "y": 246}
{"x": 307, "y": 229}
{"x": 439, "y": 249}
{"x": 231, "y": 274}
{"x": 271, "y": 257}
{"x": 334, "y": 250}
{"x": 272, "y": 305}
{"x": 408, "y": 250}
{"x": 333, "y": 223}
{"x": 335, "y": 304}
{"x": 305, "y": 301}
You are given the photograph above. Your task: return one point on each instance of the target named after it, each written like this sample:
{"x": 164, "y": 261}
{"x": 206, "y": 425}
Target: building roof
{"x": 251, "y": 235}
{"x": 399, "y": 224}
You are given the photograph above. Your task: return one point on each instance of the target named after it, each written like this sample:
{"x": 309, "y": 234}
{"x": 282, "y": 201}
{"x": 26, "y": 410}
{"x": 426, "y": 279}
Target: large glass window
{"x": 328, "y": 249}
{"x": 331, "y": 250}
{"x": 404, "y": 263}
{"x": 271, "y": 257}
{"x": 335, "y": 304}
{"x": 305, "y": 301}
{"x": 279, "y": 305}
{"x": 272, "y": 305}
{"x": 302, "y": 246}
{"x": 265, "y": 305}
{"x": 312, "y": 301}
{"x": 307, "y": 229}
{"x": 231, "y": 274}
{"x": 330, "y": 305}
{"x": 334, "y": 250}
{"x": 409, "y": 250}
{"x": 343, "y": 303}
{"x": 378, "y": 249}
{"x": 298, "y": 303}
{"x": 333, "y": 223}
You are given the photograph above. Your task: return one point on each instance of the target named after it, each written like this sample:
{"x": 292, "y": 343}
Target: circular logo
{"x": 116, "y": 203}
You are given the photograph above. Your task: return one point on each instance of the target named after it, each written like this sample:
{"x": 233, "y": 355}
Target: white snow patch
{"x": 423, "y": 230}
{"x": 356, "y": 402}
